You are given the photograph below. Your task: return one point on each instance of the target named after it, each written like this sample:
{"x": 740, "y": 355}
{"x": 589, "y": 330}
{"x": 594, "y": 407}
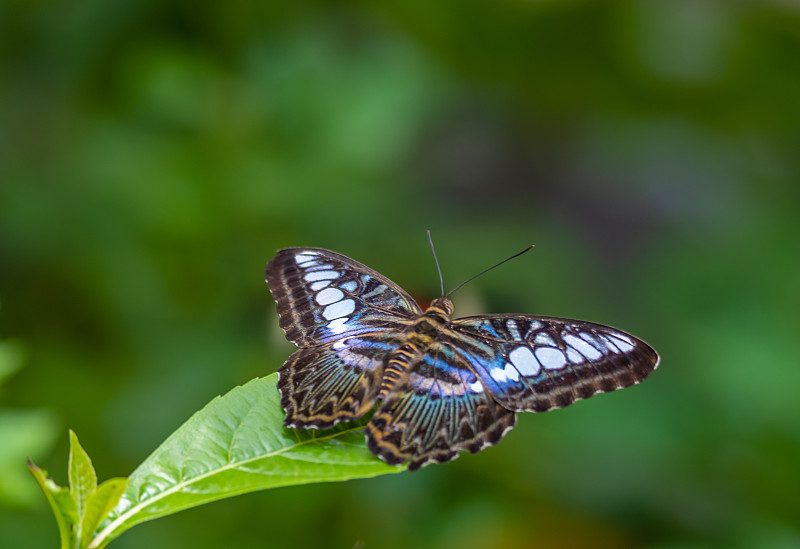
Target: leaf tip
{"x": 35, "y": 470}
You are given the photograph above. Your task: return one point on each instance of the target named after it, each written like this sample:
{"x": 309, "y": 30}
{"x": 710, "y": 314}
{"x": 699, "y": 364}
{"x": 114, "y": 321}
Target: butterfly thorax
{"x": 415, "y": 342}
{"x": 436, "y": 316}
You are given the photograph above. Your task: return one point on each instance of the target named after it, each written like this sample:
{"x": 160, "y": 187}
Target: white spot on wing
{"x": 339, "y": 309}
{"x": 349, "y": 286}
{"x": 329, "y": 295}
{"x": 589, "y": 338}
{"x": 543, "y": 338}
{"x": 624, "y": 343}
{"x": 498, "y": 374}
{"x": 511, "y": 325}
{"x": 476, "y": 387}
{"x": 313, "y": 276}
{"x": 337, "y": 326}
{"x": 315, "y": 286}
{"x": 574, "y": 356}
{"x": 523, "y": 360}
{"x": 609, "y": 344}
{"x": 377, "y": 291}
{"x": 582, "y": 347}
{"x": 511, "y": 372}
{"x": 551, "y": 359}
{"x": 304, "y": 258}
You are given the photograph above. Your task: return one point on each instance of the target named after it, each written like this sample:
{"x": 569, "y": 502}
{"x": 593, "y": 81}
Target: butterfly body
{"x": 441, "y": 385}
{"x": 414, "y": 343}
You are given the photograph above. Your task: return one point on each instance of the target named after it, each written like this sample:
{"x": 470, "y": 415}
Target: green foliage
{"x": 235, "y": 445}
{"x": 62, "y": 504}
{"x": 154, "y": 155}
{"x": 22, "y": 433}
{"x": 80, "y": 508}
{"x": 10, "y": 359}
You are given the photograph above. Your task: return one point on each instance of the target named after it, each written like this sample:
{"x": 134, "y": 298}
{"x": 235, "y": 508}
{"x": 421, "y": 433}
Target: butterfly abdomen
{"x": 399, "y": 363}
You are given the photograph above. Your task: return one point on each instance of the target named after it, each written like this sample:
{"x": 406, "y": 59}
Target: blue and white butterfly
{"x": 440, "y": 385}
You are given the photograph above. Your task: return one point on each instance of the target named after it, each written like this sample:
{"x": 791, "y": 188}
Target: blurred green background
{"x": 153, "y": 156}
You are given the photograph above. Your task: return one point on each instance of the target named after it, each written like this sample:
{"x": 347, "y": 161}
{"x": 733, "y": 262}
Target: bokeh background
{"x": 153, "y": 156}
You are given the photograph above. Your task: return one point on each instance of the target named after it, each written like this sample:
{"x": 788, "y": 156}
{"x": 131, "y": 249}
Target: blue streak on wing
{"x": 440, "y": 409}
{"x": 537, "y": 363}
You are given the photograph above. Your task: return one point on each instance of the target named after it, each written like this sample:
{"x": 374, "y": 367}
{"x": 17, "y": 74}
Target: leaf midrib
{"x": 184, "y": 483}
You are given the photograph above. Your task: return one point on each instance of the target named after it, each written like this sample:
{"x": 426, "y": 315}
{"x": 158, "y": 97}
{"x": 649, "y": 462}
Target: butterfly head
{"x": 434, "y": 318}
{"x": 441, "y": 305}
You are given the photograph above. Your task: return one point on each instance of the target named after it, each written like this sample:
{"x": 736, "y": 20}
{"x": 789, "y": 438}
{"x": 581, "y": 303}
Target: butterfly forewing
{"x": 324, "y": 296}
{"x": 536, "y": 363}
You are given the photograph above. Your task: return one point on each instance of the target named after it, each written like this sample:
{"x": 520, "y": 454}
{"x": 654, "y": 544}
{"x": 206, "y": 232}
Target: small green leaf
{"x": 98, "y": 506}
{"x": 237, "y": 444}
{"x": 62, "y": 504}
{"x": 82, "y": 478}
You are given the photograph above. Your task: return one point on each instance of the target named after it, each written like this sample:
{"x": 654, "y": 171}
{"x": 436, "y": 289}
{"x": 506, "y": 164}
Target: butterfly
{"x": 441, "y": 385}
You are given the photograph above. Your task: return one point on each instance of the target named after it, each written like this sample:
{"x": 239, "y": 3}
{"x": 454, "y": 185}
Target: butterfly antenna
{"x": 433, "y": 251}
{"x": 489, "y": 269}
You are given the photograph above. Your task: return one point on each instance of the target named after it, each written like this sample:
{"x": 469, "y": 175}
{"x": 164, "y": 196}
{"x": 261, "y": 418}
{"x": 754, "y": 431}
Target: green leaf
{"x": 237, "y": 444}
{"x": 62, "y": 504}
{"x": 82, "y": 478}
{"x": 98, "y": 506}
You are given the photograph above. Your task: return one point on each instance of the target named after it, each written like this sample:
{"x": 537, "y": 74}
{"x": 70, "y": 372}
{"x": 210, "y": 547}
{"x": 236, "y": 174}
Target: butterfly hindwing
{"x": 338, "y": 381}
{"x": 536, "y": 363}
{"x": 324, "y": 296}
{"x": 438, "y": 409}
